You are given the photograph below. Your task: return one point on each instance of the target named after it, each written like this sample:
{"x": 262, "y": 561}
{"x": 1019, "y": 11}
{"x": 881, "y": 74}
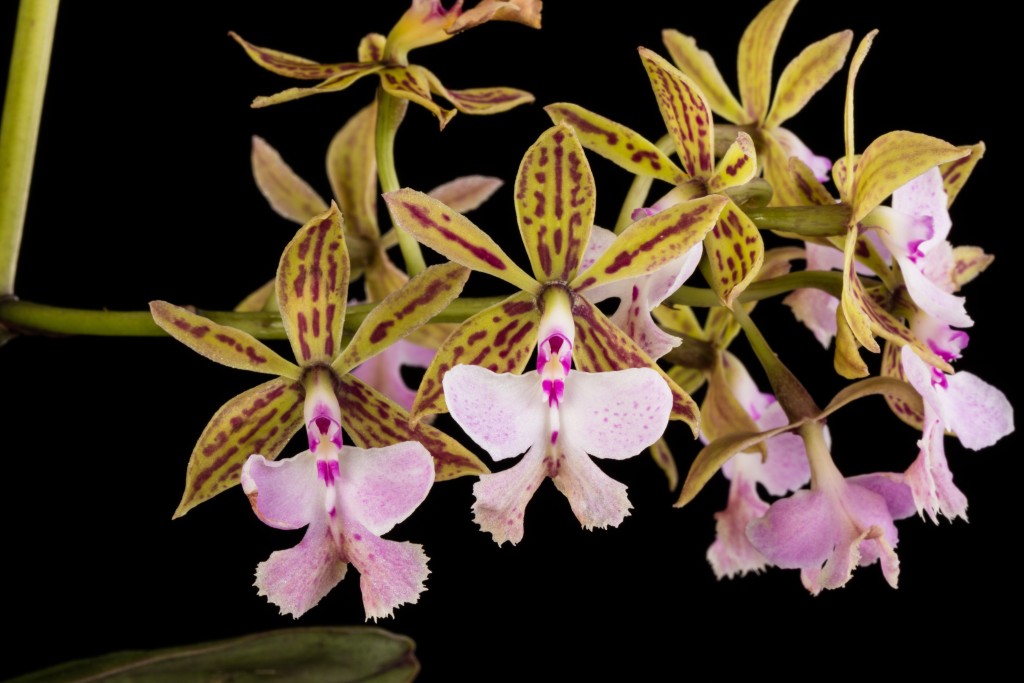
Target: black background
{"x": 143, "y": 191}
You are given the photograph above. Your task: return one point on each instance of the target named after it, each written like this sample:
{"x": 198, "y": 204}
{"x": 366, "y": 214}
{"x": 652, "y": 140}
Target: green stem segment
{"x": 807, "y": 221}
{"x": 825, "y": 280}
{"x": 791, "y": 394}
{"x": 23, "y": 108}
{"x": 390, "y": 112}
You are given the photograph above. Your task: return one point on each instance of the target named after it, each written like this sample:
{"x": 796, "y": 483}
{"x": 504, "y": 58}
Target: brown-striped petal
{"x": 500, "y": 338}
{"x": 261, "y": 420}
{"x": 402, "y": 311}
{"x": 616, "y": 142}
{"x": 479, "y": 100}
{"x": 454, "y": 236}
{"x": 956, "y": 173}
{"x": 333, "y": 84}
{"x": 555, "y": 200}
{"x": 292, "y": 66}
{"x": 970, "y": 262}
{"x": 220, "y": 343}
{"x": 757, "y": 54}
{"x": 371, "y": 48}
{"x": 807, "y": 74}
{"x": 411, "y": 83}
{"x": 312, "y": 286}
{"x": 686, "y": 114}
{"x": 737, "y": 166}
{"x": 601, "y": 346}
{"x": 699, "y": 65}
{"x": 892, "y": 366}
{"x": 735, "y": 252}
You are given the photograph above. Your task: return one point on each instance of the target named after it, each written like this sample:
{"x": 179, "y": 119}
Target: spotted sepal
{"x": 722, "y": 414}
{"x": 601, "y": 346}
{"x": 554, "y": 201}
{"x": 734, "y": 252}
{"x": 757, "y": 54}
{"x": 288, "y": 194}
{"x": 402, "y": 311}
{"x": 411, "y": 83}
{"x": 292, "y": 66}
{"x": 374, "y": 421}
{"x": 261, "y": 420}
{"x": 737, "y": 166}
{"x": 955, "y": 173}
{"x": 653, "y": 241}
{"x": 500, "y": 338}
{"x": 686, "y": 115}
{"x": 807, "y": 74}
{"x": 892, "y": 366}
{"x": 312, "y": 285}
{"x": 220, "y": 343}
{"x": 454, "y": 236}
{"x": 616, "y": 142}
{"x": 968, "y": 263}
{"x": 700, "y": 66}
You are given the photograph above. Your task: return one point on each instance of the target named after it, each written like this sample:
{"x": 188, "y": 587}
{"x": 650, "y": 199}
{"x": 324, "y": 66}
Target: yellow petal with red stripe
{"x": 734, "y": 253}
{"x": 601, "y": 346}
{"x": 292, "y": 66}
{"x": 478, "y": 100}
{"x": 555, "y": 204}
{"x": 802, "y": 188}
{"x": 261, "y": 420}
{"x": 288, "y": 194}
{"x": 402, "y": 311}
{"x": 616, "y": 142}
{"x": 757, "y": 54}
{"x": 652, "y": 242}
{"x": 454, "y": 236}
{"x": 969, "y": 263}
{"x": 220, "y": 343}
{"x": 375, "y": 421}
{"x": 686, "y": 114}
{"x": 956, "y": 173}
{"x": 737, "y": 166}
{"x": 699, "y": 66}
{"x": 352, "y": 170}
{"x": 411, "y": 83}
{"x": 334, "y": 84}
{"x": 500, "y": 338}
{"x": 312, "y": 286}
{"x": 807, "y": 74}
{"x": 371, "y": 47}
{"x": 679, "y": 319}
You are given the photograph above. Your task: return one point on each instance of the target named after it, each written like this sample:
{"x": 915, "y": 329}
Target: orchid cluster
{"x": 739, "y": 205}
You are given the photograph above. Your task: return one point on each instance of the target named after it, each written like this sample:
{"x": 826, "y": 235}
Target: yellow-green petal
{"x": 845, "y": 186}
{"x": 419, "y": 300}
{"x": 410, "y": 83}
{"x": 757, "y": 54}
{"x": 662, "y": 456}
{"x": 892, "y": 366}
{"x": 737, "y": 166}
{"x": 292, "y": 66}
{"x": 652, "y": 242}
{"x": 454, "y": 236}
{"x": 699, "y": 65}
{"x": 220, "y": 343}
{"x": 288, "y": 194}
{"x": 847, "y": 360}
{"x": 969, "y": 263}
{"x": 375, "y": 421}
{"x": 258, "y": 299}
{"x": 371, "y": 48}
{"x": 479, "y": 100}
{"x": 616, "y": 142}
{"x": 554, "y": 200}
{"x": 803, "y": 189}
{"x": 500, "y": 338}
{"x": 312, "y": 286}
{"x": 807, "y": 74}
{"x": 261, "y": 420}
{"x": 352, "y": 170}
{"x": 855, "y": 303}
{"x": 333, "y": 84}
{"x": 734, "y": 253}
{"x": 466, "y": 193}
{"x": 722, "y": 414}
{"x": 601, "y": 346}
{"x": 686, "y": 114}
{"x": 956, "y": 173}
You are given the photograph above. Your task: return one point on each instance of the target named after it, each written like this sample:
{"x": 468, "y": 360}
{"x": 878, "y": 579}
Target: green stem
{"x": 23, "y": 108}
{"x": 27, "y": 317}
{"x": 639, "y": 189}
{"x": 826, "y": 280}
{"x": 390, "y": 111}
{"x": 809, "y": 221}
{"x": 791, "y": 394}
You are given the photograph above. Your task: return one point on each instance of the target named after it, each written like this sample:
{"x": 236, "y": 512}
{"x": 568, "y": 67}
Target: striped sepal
{"x": 312, "y": 283}
{"x": 261, "y": 420}
{"x": 555, "y": 204}
{"x": 220, "y": 343}
{"x": 374, "y": 421}
{"x": 956, "y": 173}
{"x": 410, "y": 83}
{"x": 352, "y": 170}
{"x": 699, "y": 66}
{"x": 291, "y": 66}
{"x": 807, "y": 74}
{"x": 757, "y": 54}
{"x": 479, "y": 100}
{"x": 734, "y": 253}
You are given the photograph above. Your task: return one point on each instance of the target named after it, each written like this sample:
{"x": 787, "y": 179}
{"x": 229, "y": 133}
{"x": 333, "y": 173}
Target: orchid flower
{"x": 557, "y": 417}
{"x": 734, "y": 248}
{"x": 426, "y": 22}
{"x": 311, "y": 287}
{"x": 800, "y": 80}
{"x": 554, "y": 199}
{"x": 346, "y": 498}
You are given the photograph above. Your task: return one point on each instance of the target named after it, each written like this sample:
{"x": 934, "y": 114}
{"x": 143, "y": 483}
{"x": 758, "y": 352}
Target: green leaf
{"x": 298, "y": 655}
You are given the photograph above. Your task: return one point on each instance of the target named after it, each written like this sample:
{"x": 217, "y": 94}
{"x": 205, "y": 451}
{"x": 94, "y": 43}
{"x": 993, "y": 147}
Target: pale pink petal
{"x": 382, "y": 486}
{"x": 384, "y": 371}
{"x": 667, "y": 279}
{"x": 800, "y": 531}
{"x": 786, "y": 468}
{"x": 285, "y": 494}
{"x": 501, "y": 497}
{"x": 817, "y": 311}
{"x": 975, "y": 410}
{"x": 945, "y": 341}
{"x": 795, "y": 147}
{"x": 899, "y": 499}
{"x": 600, "y": 240}
{"x": 296, "y": 579}
{"x": 925, "y": 196}
{"x": 870, "y": 513}
{"x": 633, "y": 316}
{"x": 615, "y": 414}
{"x": 732, "y": 553}
{"x": 929, "y": 477}
{"x": 938, "y": 265}
{"x": 933, "y": 299}
{"x": 502, "y": 413}
{"x": 596, "y": 499}
{"x": 391, "y": 573}
{"x": 904, "y": 235}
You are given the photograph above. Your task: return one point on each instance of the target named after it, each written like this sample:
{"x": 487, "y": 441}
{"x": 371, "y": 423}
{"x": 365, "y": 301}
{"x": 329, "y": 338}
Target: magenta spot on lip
{"x": 323, "y": 424}
{"x": 939, "y": 378}
{"x": 554, "y": 437}
{"x": 357, "y": 537}
{"x": 636, "y": 292}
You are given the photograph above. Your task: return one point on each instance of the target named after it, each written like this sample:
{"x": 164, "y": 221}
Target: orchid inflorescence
{"x": 880, "y": 275}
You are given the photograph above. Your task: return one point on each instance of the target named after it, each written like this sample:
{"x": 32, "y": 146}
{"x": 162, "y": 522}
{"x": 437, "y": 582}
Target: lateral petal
{"x": 699, "y": 65}
{"x": 381, "y": 487}
{"x": 807, "y": 74}
{"x": 284, "y": 493}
